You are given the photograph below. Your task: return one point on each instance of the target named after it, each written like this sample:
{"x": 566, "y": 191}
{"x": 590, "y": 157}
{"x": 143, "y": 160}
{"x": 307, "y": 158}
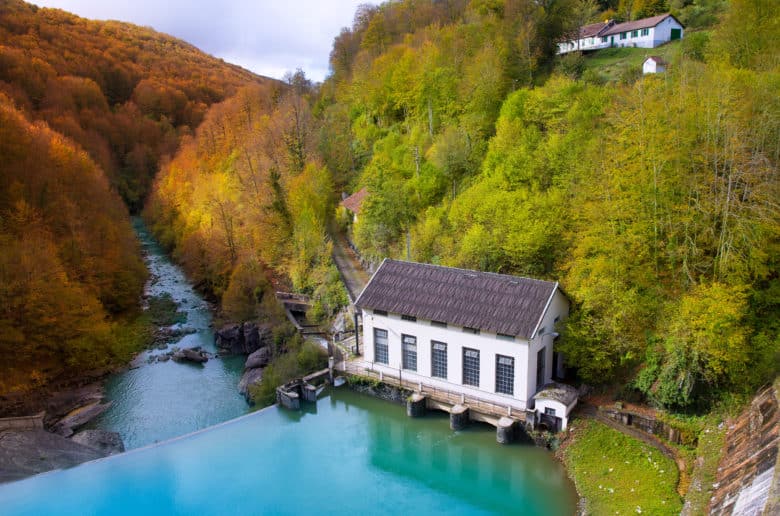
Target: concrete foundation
{"x": 506, "y": 430}
{"x": 288, "y": 399}
{"x": 309, "y": 393}
{"x": 459, "y": 417}
{"x": 415, "y": 405}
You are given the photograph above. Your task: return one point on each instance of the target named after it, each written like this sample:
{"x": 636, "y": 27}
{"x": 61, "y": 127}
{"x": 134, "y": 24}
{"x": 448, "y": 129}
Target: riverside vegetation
{"x": 653, "y": 200}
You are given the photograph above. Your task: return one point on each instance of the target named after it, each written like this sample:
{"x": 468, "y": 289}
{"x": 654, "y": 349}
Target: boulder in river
{"x": 190, "y": 355}
{"x": 259, "y": 358}
{"x": 108, "y": 443}
{"x": 250, "y": 378}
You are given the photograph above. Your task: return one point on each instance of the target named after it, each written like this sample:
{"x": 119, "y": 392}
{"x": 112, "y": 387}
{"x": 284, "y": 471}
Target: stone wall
{"x": 378, "y": 390}
{"x": 647, "y": 424}
{"x": 22, "y": 422}
{"x": 747, "y": 474}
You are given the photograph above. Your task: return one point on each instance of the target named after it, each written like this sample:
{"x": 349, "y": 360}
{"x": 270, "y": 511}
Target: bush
{"x": 572, "y": 65}
{"x": 694, "y": 46}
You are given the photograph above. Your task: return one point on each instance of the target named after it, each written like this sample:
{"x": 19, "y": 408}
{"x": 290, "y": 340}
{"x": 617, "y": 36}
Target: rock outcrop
{"x": 29, "y": 452}
{"x": 79, "y": 417}
{"x": 107, "y": 443}
{"x": 250, "y": 378}
{"x": 259, "y": 358}
{"x": 244, "y": 338}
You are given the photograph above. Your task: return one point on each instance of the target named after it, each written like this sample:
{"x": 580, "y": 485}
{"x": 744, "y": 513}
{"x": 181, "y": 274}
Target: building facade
{"x": 645, "y": 33}
{"x": 484, "y": 335}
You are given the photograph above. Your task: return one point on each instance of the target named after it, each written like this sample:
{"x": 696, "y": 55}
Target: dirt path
{"x": 352, "y": 274}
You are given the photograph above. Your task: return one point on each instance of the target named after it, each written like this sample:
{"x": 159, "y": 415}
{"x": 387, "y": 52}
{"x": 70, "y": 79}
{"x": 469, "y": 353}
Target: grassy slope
{"x": 610, "y": 62}
{"x": 620, "y": 475}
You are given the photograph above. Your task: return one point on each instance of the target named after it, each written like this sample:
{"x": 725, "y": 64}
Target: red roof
{"x": 355, "y": 201}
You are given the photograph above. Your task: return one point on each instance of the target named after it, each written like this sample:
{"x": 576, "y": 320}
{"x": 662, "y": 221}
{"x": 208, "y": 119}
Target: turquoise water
{"x": 350, "y": 454}
{"x": 159, "y": 401}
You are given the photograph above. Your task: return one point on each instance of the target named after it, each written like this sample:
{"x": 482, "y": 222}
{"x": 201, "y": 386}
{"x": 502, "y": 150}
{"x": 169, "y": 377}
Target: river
{"x": 161, "y": 400}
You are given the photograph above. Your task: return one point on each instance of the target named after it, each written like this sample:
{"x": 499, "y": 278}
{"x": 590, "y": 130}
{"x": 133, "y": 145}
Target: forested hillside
{"x": 124, "y": 93}
{"x": 87, "y": 111}
{"x": 68, "y": 256}
{"x": 653, "y": 200}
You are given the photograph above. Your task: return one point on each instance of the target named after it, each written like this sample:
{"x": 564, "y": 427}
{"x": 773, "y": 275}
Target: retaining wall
{"x": 22, "y": 422}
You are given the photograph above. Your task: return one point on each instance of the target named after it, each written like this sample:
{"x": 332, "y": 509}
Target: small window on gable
{"x": 380, "y": 312}
{"x": 504, "y": 336}
{"x": 557, "y": 318}
{"x": 474, "y": 331}
{"x": 549, "y": 411}
{"x": 541, "y": 330}
{"x": 410, "y": 318}
{"x": 439, "y": 324}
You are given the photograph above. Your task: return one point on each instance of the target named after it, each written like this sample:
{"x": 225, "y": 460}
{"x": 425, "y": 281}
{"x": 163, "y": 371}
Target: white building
{"x": 645, "y": 33}
{"x": 484, "y": 335}
{"x": 654, "y": 64}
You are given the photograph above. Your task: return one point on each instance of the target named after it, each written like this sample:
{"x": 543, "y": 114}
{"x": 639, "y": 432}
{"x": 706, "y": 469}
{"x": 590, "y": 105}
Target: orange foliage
{"x": 68, "y": 256}
{"x": 124, "y": 93}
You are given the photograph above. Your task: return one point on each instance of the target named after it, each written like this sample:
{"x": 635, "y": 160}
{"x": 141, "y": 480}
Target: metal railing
{"x": 435, "y": 393}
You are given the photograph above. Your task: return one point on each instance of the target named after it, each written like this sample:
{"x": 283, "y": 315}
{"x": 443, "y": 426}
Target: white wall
{"x": 561, "y": 410}
{"x": 559, "y": 308}
{"x": 456, "y": 339}
{"x": 658, "y": 35}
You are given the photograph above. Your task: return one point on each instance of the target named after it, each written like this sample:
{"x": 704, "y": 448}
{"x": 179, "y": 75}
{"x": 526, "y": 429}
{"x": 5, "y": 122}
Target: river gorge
{"x": 347, "y": 453}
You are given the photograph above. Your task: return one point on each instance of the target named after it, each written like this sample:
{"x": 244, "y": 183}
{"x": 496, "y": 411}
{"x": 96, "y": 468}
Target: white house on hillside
{"x": 645, "y": 33}
{"x": 479, "y": 334}
{"x": 654, "y": 64}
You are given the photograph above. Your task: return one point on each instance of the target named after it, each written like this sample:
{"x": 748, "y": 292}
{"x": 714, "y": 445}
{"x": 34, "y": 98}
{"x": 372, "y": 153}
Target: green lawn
{"x": 611, "y": 62}
{"x": 617, "y": 474}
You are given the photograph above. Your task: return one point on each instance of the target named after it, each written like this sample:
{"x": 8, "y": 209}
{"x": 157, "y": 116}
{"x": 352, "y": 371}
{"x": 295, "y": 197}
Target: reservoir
{"x": 349, "y": 454}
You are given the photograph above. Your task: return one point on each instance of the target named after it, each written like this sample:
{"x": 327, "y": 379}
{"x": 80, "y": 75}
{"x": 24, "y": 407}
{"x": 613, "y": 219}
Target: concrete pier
{"x": 415, "y": 405}
{"x": 459, "y": 417}
{"x": 506, "y": 430}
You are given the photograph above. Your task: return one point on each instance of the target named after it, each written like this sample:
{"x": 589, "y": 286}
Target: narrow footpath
{"x": 352, "y": 273}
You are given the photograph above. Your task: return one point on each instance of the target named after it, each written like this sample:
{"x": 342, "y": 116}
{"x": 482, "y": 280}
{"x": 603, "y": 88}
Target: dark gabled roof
{"x": 484, "y": 300}
{"x": 657, "y": 59}
{"x": 644, "y": 23}
{"x": 593, "y": 29}
{"x": 355, "y": 201}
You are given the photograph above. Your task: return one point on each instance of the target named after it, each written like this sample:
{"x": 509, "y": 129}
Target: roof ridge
{"x": 471, "y": 271}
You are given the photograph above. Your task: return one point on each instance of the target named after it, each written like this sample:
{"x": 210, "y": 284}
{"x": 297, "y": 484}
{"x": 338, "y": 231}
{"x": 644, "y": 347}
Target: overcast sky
{"x": 269, "y": 37}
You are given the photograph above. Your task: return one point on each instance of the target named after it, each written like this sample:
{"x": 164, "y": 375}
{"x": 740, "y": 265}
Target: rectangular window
{"x": 439, "y": 324}
{"x": 505, "y": 374}
{"x": 645, "y": 32}
{"x": 634, "y": 33}
{"x": 504, "y": 336}
{"x": 438, "y": 359}
{"x": 549, "y": 411}
{"x": 409, "y": 355}
{"x": 471, "y": 367}
{"x": 380, "y": 346}
{"x": 604, "y": 39}
{"x": 410, "y": 318}
{"x": 623, "y": 35}
{"x": 466, "y": 329}
{"x": 380, "y": 312}
{"x": 540, "y": 367}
